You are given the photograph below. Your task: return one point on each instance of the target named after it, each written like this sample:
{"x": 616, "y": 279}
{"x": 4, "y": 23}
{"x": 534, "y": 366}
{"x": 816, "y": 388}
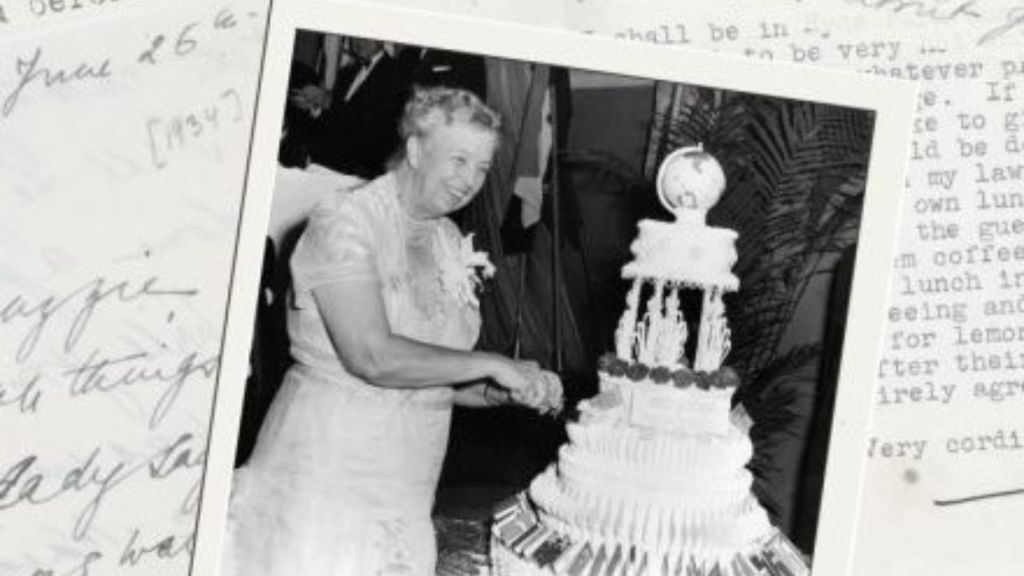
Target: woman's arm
{"x": 482, "y": 395}
{"x": 487, "y": 395}
{"x": 356, "y": 323}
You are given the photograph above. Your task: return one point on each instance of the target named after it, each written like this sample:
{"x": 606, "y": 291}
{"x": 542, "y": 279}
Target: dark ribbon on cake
{"x": 681, "y": 378}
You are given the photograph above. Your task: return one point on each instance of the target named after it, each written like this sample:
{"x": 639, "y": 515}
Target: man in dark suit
{"x": 361, "y": 103}
{"x": 435, "y": 67}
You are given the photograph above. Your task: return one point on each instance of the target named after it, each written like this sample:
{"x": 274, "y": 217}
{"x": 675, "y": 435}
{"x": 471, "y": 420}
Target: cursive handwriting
{"x": 980, "y": 497}
{"x": 31, "y": 72}
{"x": 25, "y": 484}
{"x": 177, "y": 456}
{"x": 27, "y": 397}
{"x": 79, "y": 569}
{"x": 190, "y": 503}
{"x": 938, "y": 10}
{"x": 1014, "y": 19}
{"x": 166, "y": 548}
{"x": 83, "y": 302}
{"x": 103, "y": 374}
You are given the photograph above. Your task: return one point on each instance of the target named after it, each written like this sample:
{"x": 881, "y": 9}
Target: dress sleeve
{"x": 337, "y": 246}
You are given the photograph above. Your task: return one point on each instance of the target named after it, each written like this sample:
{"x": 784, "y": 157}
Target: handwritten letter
{"x": 123, "y": 144}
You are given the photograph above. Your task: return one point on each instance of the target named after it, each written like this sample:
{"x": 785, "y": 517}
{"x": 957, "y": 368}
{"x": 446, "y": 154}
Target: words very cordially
{"x": 1000, "y": 440}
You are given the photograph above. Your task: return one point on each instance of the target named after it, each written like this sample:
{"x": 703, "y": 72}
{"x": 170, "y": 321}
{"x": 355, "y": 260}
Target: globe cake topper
{"x": 690, "y": 181}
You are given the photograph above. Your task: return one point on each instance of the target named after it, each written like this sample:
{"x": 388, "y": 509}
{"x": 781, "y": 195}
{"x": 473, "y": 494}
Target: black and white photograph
{"x": 525, "y": 317}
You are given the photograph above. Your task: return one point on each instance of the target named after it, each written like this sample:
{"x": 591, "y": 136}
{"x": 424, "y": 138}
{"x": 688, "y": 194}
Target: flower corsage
{"x": 462, "y": 270}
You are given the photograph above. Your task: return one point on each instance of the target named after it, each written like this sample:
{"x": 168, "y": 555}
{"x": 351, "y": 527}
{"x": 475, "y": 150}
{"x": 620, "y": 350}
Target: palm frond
{"x": 796, "y": 174}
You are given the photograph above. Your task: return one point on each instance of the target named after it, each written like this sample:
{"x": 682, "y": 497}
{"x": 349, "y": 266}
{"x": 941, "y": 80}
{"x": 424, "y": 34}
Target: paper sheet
{"x": 120, "y": 186}
{"x": 943, "y": 491}
{"x": 945, "y": 486}
{"x": 124, "y": 132}
{"x": 891, "y": 101}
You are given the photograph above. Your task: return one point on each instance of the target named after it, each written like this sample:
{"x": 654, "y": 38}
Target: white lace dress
{"x": 342, "y": 478}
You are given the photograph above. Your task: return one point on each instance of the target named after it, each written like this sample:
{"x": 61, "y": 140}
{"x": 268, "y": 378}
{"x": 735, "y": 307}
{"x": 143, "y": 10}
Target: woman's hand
{"x": 531, "y": 386}
{"x": 519, "y": 377}
{"x": 547, "y": 396}
{"x": 554, "y": 398}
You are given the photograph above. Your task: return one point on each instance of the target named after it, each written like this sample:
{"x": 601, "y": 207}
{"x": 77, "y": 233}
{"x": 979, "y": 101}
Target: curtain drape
{"x": 517, "y": 91}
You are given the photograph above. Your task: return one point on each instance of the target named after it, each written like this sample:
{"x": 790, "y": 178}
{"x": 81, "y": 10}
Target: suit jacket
{"x": 358, "y": 136}
{"x": 435, "y": 67}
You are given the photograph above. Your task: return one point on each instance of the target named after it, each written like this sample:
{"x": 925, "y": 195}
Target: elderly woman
{"x": 342, "y": 478}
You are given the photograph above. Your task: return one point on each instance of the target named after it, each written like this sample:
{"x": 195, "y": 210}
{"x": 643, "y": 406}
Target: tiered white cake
{"x": 653, "y": 480}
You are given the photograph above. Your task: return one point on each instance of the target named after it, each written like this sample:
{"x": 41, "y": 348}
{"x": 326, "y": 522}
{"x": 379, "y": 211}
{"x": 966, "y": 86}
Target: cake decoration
{"x": 653, "y": 480}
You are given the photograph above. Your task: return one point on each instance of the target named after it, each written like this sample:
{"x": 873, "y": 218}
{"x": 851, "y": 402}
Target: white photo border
{"x": 893, "y": 102}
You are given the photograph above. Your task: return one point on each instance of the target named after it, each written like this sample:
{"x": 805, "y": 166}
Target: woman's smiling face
{"x": 450, "y": 164}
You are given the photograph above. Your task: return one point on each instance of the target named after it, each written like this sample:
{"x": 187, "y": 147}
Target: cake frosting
{"x": 701, "y": 254}
{"x": 654, "y": 478}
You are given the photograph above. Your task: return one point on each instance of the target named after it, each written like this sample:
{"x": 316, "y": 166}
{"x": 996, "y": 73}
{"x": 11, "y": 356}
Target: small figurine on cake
{"x": 653, "y": 480}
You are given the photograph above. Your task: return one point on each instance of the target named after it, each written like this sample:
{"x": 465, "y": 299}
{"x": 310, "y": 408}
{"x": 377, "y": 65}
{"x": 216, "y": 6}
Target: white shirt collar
{"x": 362, "y": 74}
